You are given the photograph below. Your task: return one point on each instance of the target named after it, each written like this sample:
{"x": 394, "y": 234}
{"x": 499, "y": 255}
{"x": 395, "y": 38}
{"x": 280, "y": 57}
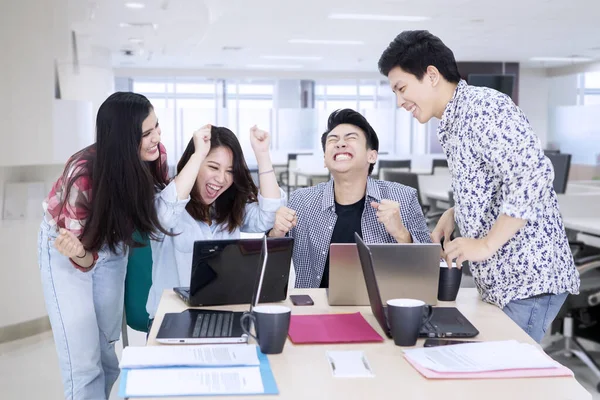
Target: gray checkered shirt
{"x": 315, "y": 208}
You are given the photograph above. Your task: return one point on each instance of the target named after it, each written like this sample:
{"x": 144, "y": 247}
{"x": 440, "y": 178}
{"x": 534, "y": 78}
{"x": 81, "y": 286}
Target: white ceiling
{"x": 192, "y": 34}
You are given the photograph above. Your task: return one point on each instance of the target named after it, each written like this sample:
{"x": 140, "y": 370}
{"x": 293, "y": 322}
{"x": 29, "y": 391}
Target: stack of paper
{"x": 503, "y": 359}
{"x": 195, "y": 370}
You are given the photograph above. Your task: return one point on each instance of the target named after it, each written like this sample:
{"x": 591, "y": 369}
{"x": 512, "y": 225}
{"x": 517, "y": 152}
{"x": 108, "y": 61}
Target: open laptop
{"x": 211, "y": 326}
{"x": 223, "y": 272}
{"x": 445, "y": 321}
{"x": 402, "y": 270}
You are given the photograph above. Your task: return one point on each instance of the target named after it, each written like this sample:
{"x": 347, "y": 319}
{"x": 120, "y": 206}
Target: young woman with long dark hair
{"x": 105, "y": 193}
{"x": 213, "y": 196}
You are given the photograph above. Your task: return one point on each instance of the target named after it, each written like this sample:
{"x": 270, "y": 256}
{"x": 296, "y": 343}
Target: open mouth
{"x": 342, "y": 157}
{"x": 153, "y": 149}
{"x": 212, "y": 190}
{"x": 413, "y": 110}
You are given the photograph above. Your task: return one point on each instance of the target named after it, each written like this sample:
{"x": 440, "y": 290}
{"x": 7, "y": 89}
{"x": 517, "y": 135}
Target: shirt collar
{"x": 451, "y": 109}
{"x": 373, "y": 193}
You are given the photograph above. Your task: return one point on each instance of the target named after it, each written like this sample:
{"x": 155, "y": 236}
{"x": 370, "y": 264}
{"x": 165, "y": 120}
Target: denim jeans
{"x": 85, "y": 311}
{"x": 535, "y": 314}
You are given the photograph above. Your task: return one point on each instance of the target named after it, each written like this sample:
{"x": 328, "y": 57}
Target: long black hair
{"x": 123, "y": 185}
{"x": 230, "y": 205}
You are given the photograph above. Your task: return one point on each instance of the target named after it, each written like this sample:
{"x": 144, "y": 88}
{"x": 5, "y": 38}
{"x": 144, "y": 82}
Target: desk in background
{"x": 302, "y": 371}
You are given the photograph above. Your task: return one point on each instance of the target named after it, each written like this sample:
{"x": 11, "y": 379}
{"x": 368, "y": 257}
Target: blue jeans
{"x": 85, "y": 311}
{"x": 535, "y": 314}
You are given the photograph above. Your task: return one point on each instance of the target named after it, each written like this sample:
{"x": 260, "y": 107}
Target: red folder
{"x": 331, "y": 328}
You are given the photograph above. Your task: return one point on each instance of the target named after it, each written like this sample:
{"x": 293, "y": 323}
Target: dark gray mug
{"x": 449, "y": 283}
{"x": 406, "y": 317}
{"x": 271, "y": 324}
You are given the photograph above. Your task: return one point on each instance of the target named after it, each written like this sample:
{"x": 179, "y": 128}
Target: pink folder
{"x": 505, "y": 374}
{"x": 332, "y": 328}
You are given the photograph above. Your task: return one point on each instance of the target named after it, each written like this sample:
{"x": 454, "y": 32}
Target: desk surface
{"x": 441, "y": 195}
{"x": 584, "y": 225}
{"x": 302, "y": 371}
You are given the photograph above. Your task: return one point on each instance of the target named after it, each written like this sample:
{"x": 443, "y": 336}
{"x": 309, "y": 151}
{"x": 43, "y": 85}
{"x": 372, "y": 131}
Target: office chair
{"x": 562, "y": 165}
{"x": 287, "y": 177}
{"x": 546, "y": 152}
{"x": 392, "y": 166}
{"x": 138, "y": 281}
{"x": 576, "y": 318}
{"x": 412, "y": 180}
{"x": 438, "y": 164}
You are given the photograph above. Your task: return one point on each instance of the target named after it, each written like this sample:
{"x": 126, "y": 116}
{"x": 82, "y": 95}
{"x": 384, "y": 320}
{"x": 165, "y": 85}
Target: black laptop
{"x": 212, "y": 326}
{"x": 223, "y": 272}
{"x": 445, "y": 321}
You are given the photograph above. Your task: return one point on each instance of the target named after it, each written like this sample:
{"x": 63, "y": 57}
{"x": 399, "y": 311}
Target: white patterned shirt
{"x": 315, "y": 208}
{"x": 498, "y": 167}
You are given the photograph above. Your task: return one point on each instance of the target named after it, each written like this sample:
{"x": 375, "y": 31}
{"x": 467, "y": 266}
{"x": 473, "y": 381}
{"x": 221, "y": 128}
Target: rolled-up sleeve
{"x": 168, "y": 208}
{"x": 260, "y": 216}
{"x": 513, "y": 151}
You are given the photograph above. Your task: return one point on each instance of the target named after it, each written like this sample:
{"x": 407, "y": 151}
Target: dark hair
{"x": 123, "y": 185}
{"x": 230, "y": 206}
{"x": 414, "y": 51}
{"x": 348, "y": 116}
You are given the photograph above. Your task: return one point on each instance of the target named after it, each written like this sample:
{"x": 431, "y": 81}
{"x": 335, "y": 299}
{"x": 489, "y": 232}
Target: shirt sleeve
{"x": 168, "y": 208}
{"x": 74, "y": 211}
{"x": 416, "y": 223}
{"x": 260, "y": 216}
{"x": 512, "y": 151}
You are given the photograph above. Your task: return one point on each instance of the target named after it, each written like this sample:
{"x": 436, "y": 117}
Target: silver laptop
{"x": 198, "y": 326}
{"x": 402, "y": 271}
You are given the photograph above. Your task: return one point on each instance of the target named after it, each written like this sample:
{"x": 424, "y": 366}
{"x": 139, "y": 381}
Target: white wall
{"x": 534, "y": 94}
{"x": 33, "y": 35}
{"x": 563, "y": 91}
{"x": 27, "y": 81}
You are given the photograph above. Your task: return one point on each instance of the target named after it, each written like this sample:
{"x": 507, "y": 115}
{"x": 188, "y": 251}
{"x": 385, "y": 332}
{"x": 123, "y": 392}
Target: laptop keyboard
{"x": 213, "y": 325}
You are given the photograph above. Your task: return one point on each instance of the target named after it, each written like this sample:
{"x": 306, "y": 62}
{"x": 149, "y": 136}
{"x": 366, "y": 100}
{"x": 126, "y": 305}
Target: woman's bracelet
{"x": 266, "y": 172}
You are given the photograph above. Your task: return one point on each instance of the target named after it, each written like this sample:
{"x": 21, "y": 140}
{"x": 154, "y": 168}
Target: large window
{"x": 183, "y": 104}
{"x": 591, "y": 88}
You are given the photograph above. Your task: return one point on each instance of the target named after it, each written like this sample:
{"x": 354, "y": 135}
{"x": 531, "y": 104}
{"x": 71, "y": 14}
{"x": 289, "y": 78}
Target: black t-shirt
{"x": 348, "y": 222}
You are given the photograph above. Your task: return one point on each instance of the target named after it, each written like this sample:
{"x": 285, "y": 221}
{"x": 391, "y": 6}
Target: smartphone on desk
{"x": 445, "y": 342}
{"x": 301, "y": 300}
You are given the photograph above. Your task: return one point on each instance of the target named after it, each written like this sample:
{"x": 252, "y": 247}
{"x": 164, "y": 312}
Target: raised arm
{"x": 261, "y": 140}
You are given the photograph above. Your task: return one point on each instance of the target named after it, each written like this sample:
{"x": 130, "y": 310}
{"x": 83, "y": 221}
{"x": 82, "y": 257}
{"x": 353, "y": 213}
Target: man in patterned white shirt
{"x": 506, "y": 207}
{"x": 381, "y": 212}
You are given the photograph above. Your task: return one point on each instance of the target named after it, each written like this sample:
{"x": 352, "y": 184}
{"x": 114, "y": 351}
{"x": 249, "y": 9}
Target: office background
{"x": 282, "y": 65}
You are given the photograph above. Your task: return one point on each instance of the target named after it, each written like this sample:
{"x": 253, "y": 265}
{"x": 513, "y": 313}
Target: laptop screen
{"x": 366, "y": 261}
{"x": 262, "y": 263}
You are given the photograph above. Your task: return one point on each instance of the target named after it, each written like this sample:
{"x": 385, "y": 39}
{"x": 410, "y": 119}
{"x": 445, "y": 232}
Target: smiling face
{"x": 420, "y": 98}
{"x": 346, "y": 150}
{"x": 215, "y": 175}
{"x": 150, "y": 138}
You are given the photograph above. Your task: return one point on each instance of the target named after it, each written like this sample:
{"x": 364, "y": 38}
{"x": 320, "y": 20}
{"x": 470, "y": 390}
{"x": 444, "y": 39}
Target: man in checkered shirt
{"x": 381, "y": 212}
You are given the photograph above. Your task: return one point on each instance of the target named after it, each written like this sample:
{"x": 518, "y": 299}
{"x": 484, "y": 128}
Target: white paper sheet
{"x": 193, "y": 381}
{"x": 349, "y": 364}
{"x": 483, "y": 356}
{"x": 203, "y": 355}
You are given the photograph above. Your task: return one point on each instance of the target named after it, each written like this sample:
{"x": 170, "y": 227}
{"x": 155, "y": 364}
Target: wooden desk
{"x": 302, "y": 371}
